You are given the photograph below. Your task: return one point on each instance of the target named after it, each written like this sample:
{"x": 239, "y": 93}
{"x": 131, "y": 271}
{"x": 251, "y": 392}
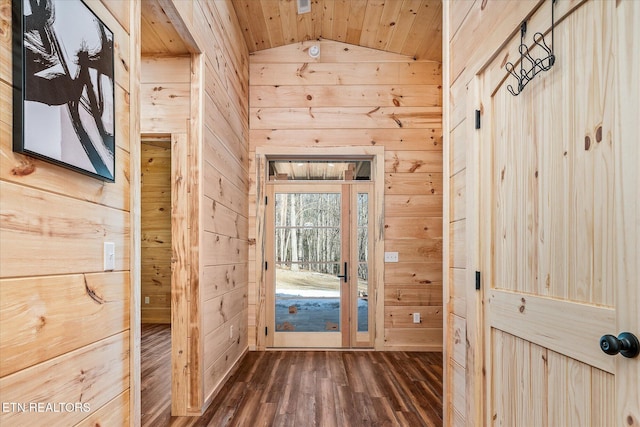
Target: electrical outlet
{"x": 391, "y": 257}
{"x": 146, "y": 300}
{"x": 231, "y": 332}
{"x": 416, "y": 317}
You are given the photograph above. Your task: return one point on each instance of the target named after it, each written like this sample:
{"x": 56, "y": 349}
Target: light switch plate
{"x": 109, "y": 256}
{"x": 391, "y": 257}
{"x": 416, "y": 317}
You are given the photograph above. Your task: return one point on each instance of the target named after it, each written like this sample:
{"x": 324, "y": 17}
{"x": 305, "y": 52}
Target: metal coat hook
{"x": 530, "y": 66}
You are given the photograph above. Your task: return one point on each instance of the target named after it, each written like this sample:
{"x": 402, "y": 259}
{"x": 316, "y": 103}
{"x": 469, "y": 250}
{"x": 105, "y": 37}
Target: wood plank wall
{"x": 466, "y": 22}
{"x": 165, "y": 109}
{"x": 218, "y": 172}
{"x": 156, "y": 232}
{"x": 64, "y": 322}
{"x": 355, "y": 96}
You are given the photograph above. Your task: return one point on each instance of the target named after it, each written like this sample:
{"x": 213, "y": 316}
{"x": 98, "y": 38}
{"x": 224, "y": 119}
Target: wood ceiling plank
{"x": 288, "y": 13}
{"x": 151, "y": 42}
{"x": 179, "y": 36}
{"x": 316, "y": 18}
{"x": 241, "y": 13}
{"x": 406, "y": 18}
{"x": 356, "y": 20}
{"x": 424, "y": 30}
{"x": 409, "y": 27}
{"x": 305, "y": 26}
{"x": 255, "y": 20}
{"x": 327, "y": 18}
{"x": 273, "y": 22}
{"x": 388, "y": 23}
{"x": 371, "y": 22}
{"x": 340, "y": 20}
{"x": 427, "y": 42}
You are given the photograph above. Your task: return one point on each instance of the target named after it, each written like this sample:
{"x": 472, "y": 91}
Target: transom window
{"x": 319, "y": 170}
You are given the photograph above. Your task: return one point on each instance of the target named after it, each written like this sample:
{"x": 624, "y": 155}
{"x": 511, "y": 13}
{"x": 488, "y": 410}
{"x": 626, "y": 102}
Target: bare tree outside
{"x": 308, "y": 258}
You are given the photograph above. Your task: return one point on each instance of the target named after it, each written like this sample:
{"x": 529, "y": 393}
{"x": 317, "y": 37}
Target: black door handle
{"x": 344, "y": 276}
{"x": 626, "y": 344}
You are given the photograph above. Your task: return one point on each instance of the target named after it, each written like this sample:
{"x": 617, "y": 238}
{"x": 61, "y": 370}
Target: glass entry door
{"x": 318, "y": 246}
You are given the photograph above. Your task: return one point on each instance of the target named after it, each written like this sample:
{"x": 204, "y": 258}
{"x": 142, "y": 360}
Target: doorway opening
{"x": 319, "y": 244}
{"x": 156, "y": 275}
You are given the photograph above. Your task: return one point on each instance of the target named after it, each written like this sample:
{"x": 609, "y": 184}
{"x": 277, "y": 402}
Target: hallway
{"x": 304, "y": 388}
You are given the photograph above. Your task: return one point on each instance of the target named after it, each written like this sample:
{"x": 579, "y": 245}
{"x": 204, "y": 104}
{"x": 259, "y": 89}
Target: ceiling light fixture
{"x": 314, "y": 51}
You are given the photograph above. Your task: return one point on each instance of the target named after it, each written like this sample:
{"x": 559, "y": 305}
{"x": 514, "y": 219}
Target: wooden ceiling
{"x": 409, "y": 27}
{"x": 159, "y": 36}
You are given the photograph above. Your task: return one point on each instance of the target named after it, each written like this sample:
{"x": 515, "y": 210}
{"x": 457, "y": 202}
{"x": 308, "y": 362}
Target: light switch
{"x": 109, "y": 256}
{"x": 416, "y": 317}
{"x": 391, "y": 257}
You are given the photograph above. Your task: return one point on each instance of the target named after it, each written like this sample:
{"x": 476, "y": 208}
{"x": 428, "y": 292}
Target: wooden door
{"x": 559, "y": 225}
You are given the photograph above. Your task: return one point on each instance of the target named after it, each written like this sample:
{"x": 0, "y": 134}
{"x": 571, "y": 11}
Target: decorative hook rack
{"x": 533, "y": 65}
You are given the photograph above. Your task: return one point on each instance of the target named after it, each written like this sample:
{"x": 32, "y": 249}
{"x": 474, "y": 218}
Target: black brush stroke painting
{"x": 64, "y": 109}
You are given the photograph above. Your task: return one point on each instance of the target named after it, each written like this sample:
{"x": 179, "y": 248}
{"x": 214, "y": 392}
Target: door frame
{"x": 376, "y": 154}
{"x": 348, "y": 336}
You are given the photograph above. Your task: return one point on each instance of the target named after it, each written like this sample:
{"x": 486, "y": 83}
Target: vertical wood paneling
{"x": 555, "y": 208}
{"x": 283, "y": 117}
{"x": 561, "y": 390}
{"x": 559, "y": 198}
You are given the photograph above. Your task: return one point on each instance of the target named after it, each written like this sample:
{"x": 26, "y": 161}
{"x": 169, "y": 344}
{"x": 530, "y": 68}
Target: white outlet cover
{"x": 416, "y": 317}
{"x": 109, "y": 256}
{"x": 391, "y": 257}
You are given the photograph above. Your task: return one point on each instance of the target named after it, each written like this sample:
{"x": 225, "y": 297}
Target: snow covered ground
{"x": 314, "y": 312}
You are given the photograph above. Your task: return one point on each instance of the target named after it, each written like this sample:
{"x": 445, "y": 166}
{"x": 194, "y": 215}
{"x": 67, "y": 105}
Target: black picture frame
{"x": 63, "y": 86}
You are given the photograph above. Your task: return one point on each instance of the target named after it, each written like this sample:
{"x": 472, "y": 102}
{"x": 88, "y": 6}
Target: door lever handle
{"x": 344, "y": 276}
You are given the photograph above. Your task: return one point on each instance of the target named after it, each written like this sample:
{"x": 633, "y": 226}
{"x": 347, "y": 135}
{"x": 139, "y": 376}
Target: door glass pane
{"x": 363, "y": 297}
{"x": 308, "y": 254}
{"x": 363, "y": 244}
{"x": 363, "y": 209}
{"x": 363, "y": 257}
{"x": 319, "y": 170}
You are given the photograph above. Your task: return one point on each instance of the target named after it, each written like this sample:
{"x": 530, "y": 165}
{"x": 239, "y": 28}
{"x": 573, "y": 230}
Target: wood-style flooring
{"x": 304, "y": 388}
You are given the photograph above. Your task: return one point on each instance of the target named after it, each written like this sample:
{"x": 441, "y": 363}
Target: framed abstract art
{"x": 63, "y": 84}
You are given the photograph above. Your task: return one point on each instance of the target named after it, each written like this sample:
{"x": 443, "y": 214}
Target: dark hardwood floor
{"x": 305, "y": 388}
{"x": 155, "y": 373}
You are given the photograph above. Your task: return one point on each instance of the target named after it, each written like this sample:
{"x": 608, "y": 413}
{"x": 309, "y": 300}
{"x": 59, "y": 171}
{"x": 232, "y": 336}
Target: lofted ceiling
{"x": 409, "y": 27}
